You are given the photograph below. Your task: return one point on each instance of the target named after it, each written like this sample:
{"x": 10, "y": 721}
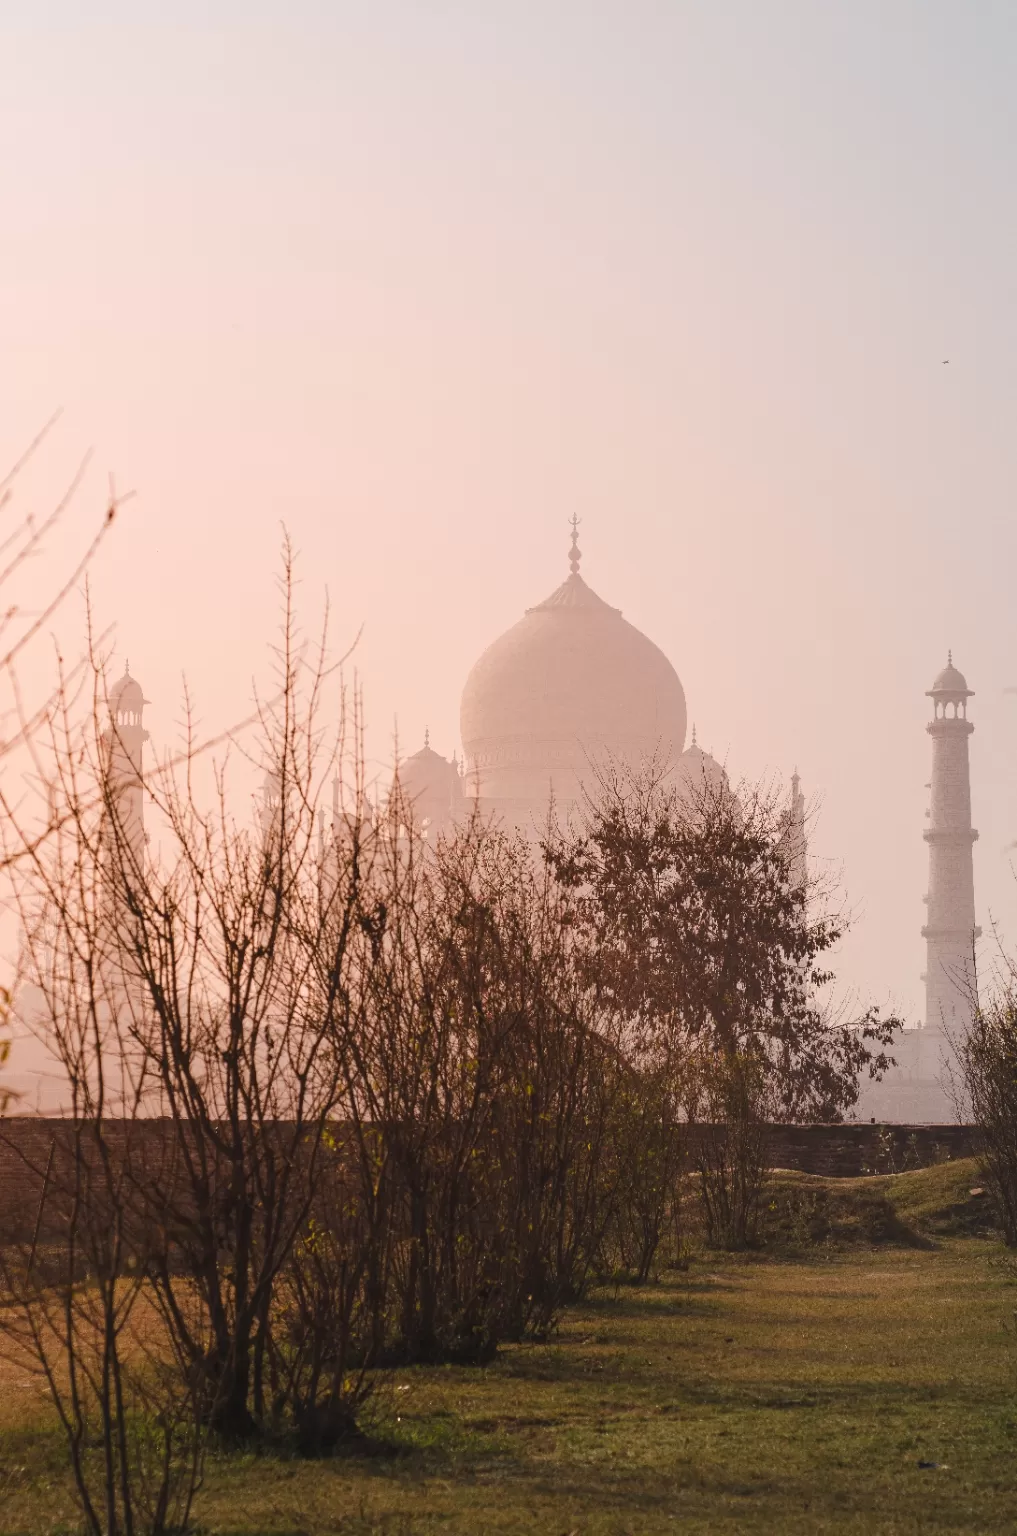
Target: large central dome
{"x": 571, "y": 684}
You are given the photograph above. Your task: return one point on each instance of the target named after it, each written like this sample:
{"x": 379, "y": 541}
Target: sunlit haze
{"x": 734, "y": 283}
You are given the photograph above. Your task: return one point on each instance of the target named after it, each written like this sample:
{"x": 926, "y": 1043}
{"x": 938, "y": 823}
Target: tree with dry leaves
{"x": 705, "y": 938}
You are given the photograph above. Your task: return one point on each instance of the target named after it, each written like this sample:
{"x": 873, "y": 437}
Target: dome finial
{"x": 575, "y": 553}
{"x": 427, "y": 737}
{"x": 949, "y": 658}
{"x": 693, "y": 733}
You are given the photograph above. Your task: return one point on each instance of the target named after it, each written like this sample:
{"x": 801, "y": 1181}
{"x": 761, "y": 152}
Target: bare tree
{"x": 180, "y": 1000}
{"x": 477, "y": 1091}
{"x": 226, "y": 946}
{"x": 984, "y": 1083}
{"x": 77, "y": 1302}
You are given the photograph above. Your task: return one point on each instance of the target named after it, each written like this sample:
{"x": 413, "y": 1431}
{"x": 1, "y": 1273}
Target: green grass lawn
{"x": 781, "y": 1392}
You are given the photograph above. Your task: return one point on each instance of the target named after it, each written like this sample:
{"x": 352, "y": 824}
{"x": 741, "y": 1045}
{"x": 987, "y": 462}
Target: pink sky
{"x": 422, "y": 280}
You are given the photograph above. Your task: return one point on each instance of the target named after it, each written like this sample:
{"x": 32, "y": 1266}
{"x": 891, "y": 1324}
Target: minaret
{"x": 124, "y": 741}
{"x": 950, "y": 931}
{"x": 798, "y": 860}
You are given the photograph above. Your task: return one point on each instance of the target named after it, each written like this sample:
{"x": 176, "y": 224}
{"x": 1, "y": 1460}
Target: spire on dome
{"x": 693, "y": 733}
{"x": 427, "y": 737}
{"x": 949, "y": 658}
{"x": 575, "y": 553}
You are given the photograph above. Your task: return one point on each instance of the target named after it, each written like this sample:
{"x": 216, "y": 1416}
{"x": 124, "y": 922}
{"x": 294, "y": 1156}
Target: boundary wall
{"x": 29, "y": 1143}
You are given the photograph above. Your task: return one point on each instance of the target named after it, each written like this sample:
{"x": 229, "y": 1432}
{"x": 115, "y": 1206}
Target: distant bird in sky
{"x": 945, "y": 361}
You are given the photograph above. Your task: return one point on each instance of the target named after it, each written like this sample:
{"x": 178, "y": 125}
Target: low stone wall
{"x": 40, "y": 1160}
{"x": 848, "y": 1151}
{"x": 27, "y": 1144}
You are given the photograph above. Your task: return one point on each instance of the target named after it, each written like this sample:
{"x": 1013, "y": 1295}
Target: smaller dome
{"x": 696, "y": 768}
{"x": 126, "y": 697}
{"x": 431, "y": 784}
{"x": 950, "y": 681}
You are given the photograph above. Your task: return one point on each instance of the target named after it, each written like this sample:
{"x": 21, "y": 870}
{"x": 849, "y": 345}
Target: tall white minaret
{"x": 950, "y": 931}
{"x": 124, "y": 741}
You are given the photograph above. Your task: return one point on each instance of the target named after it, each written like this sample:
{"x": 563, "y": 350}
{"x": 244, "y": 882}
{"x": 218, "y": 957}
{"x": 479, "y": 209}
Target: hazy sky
{"x": 425, "y": 279}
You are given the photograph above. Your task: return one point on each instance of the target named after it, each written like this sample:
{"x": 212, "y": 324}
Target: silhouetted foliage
{"x": 345, "y": 1099}
{"x": 698, "y": 932}
{"x": 338, "y": 1101}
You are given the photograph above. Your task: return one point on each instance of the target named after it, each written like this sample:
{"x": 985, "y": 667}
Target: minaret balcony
{"x": 950, "y": 726}
{"x": 953, "y": 935}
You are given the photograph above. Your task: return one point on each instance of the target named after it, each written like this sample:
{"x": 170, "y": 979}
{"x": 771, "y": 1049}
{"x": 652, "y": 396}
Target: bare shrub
{"x": 478, "y": 1092}
{"x": 239, "y": 949}
{"x": 78, "y": 1297}
{"x": 987, "y": 1057}
{"x": 78, "y": 1303}
{"x": 729, "y": 1102}
{"x": 78, "y": 1310}
{"x": 322, "y": 1342}
{"x": 183, "y": 991}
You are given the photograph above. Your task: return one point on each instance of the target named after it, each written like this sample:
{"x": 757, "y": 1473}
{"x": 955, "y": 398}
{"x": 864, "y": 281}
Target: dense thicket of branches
{"x": 390, "y": 1112}
{"x": 409, "y": 1094}
{"x": 475, "y": 1044}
